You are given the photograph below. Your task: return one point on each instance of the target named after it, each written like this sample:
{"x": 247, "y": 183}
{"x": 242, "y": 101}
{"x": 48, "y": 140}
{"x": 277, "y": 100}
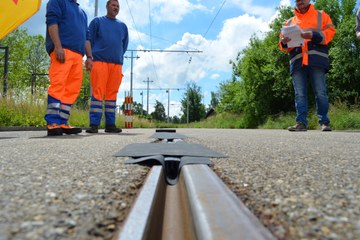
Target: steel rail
{"x": 200, "y": 206}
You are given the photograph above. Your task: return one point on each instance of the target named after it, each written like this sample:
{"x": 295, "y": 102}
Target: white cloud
{"x": 172, "y": 11}
{"x": 285, "y": 3}
{"x": 176, "y": 69}
{"x": 88, "y": 7}
{"x": 250, "y": 7}
{"x": 215, "y": 76}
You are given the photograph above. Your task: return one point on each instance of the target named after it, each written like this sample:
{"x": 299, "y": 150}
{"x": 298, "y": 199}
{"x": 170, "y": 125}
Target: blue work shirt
{"x": 109, "y": 39}
{"x": 72, "y": 23}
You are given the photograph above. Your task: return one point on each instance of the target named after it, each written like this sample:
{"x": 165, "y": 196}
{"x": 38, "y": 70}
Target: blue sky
{"x": 217, "y": 28}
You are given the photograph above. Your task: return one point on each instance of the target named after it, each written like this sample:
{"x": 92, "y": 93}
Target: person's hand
{"x": 285, "y": 40}
{"x": 358, "y": 35}
{"x": 88, "y": 64}
{"x": 60, "y": 54}
{"x": 307, "y": 34}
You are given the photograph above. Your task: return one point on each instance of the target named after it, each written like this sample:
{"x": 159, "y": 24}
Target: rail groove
{"x": 200, "y": 206}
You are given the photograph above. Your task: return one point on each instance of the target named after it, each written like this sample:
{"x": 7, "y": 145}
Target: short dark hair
{"x": 109, "y": 1}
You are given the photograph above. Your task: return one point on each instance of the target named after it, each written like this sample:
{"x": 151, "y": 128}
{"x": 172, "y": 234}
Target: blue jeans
{"x": 317, "y": 78}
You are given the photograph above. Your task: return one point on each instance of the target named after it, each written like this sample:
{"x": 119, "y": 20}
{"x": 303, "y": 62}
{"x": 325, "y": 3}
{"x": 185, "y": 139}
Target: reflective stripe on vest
{"x": 305, "y": 53}
{"x": 311, "y": 52}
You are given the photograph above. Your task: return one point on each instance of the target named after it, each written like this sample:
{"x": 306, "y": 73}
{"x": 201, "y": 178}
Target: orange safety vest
{"x": 314, "y": 52}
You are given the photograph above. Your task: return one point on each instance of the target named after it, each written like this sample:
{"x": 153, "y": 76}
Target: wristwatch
{"x": 91, "y": 57}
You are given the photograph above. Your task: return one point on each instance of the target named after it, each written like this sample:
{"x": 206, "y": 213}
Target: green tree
{"x": 159, "y": 112}
{"x": 261, "y": 85}
{"x": 175, "y": 119}
{"x": 343, "y": 78}
{"x": 27, "y": 55}
{"x": 37, "y": 63}
{"x": 137, "y": 108}
{"x": 191, "y": 103}
{"x": 214, "y": 100}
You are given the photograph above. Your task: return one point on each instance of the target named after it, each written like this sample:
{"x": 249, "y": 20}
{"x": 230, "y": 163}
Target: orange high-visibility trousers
{"x": 105, "y": 80}
{"x": 66, "y": 78}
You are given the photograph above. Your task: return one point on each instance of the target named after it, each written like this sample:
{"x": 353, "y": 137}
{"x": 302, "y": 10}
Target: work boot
{"x": 54, "y": 130}
{"x": 112, "y": 129}
{"x": 93, "y": 129}
{"x": 325, "y": 127}
{"x": 67, "y": 129}
{"x": 299, "y": 127}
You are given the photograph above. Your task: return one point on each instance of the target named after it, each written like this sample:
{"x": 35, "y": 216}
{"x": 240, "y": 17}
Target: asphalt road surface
{"x": 300, "y": 185}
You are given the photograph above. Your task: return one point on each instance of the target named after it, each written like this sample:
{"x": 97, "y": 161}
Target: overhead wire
{"x": 212, "y": 22}
{"x": 204, "y": 35}
{"x": 152, "y": 57}
{"x": 132, "y": 17}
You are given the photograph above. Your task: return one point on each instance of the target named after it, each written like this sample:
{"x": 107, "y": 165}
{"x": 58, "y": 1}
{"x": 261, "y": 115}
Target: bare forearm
{"x": 54, "y": 35}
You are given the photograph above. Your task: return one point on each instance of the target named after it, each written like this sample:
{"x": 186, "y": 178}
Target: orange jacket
{"x": 315, "y": 50}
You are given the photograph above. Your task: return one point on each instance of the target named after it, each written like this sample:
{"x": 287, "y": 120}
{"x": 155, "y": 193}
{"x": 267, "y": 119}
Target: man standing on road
{"x": 66, "y": 42}
{"x": 109, "y": 41}
{"x": 309, "y": 62}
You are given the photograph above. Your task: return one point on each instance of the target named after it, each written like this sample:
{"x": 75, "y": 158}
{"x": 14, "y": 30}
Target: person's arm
{"x": 283, "y": 41}
{"x": 357, "y": 28}
{"x": 88, "y": 51}
{"x": 126, "y": 42}
{"x": 89, "y": 57}
{"x": 58, "y": 49}
{"x": 325, "y": 35}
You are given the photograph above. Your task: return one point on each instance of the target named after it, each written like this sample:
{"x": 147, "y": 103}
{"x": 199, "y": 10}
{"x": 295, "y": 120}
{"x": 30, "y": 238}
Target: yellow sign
{"x": 14, "y": 12}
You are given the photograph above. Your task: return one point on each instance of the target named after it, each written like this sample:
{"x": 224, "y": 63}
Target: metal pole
{"x": 96, "y": 8}
{"x": 142, "y": 103}
{"x": 32, "y": 83}
{"x": 168, "y": 91}
{"x": 187, "y": 110}
{"x": 131, "y": 74}
{"x": 6, "y": 67}
{"x": 147, "y": 107}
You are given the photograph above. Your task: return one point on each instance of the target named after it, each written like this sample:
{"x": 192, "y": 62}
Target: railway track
{"x": 198, "y": 205}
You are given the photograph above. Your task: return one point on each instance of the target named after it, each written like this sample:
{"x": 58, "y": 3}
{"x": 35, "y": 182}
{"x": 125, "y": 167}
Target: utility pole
{"x": 6, "y": 67}
{"x": 142, "y": 103}
{"x": 131, "y": 72}
{"x": 148, "y": 89}
{"x": 167, "y": 91}
{"x": 96, "y": 8}
{"x": 151, "y": 50}
{"x": 148, "y": 81}
{"x": 187, "y": 109}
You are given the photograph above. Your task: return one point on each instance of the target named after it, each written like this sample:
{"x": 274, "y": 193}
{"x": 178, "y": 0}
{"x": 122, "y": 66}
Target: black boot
{"x": 93, "y": 129}
{"x": 112, "y": 129}
{"x": 54, "y": 130}
{"x": 67, "y": 129}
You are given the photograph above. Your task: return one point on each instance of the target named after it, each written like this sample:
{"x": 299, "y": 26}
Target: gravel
{"x": 300, "y": 185}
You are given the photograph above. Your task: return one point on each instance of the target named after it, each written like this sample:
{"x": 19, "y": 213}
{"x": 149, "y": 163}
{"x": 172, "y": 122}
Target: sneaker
{"x": 93, "y": 129}
{"x": 54, "y": 130}
{"x": 325, "y": 127}
{"x": 299, "y": 127}
{"x": 112, "y": 129}
{"x": 67, "y": 129}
